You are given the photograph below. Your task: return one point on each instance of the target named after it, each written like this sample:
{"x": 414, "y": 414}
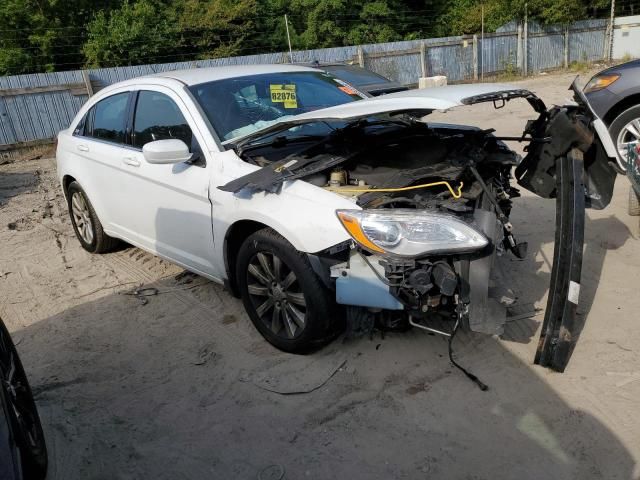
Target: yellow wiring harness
{"x": 453, "y": 192}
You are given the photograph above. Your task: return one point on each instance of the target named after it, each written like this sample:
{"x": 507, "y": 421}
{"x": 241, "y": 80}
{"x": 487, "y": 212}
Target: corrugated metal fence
{"x": 33, "y": 108}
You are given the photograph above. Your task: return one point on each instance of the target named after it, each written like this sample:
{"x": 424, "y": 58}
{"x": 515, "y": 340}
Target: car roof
{"x": 195, "y": 76}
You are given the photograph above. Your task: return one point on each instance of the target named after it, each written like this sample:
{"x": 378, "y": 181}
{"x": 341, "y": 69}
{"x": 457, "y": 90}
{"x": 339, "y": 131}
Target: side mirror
{"x": 166, "y": 151}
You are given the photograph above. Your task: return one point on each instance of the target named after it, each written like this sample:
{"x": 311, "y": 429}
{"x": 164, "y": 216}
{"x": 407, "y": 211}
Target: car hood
{"x": 417, "y": 101}
{"x": 426, "y": 100}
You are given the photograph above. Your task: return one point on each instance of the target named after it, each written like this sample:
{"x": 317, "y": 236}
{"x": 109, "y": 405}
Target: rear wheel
{"x": 634, "y": 203}
{"x": 283, "y": 296}
{"x": 86, "y": 223}
{"x": 21, "y": 410}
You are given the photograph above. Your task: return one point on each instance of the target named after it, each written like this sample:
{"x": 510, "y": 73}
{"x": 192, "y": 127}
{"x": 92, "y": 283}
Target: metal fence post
{"x": 423, "y": 60}
{"x": 525, "y": 44}
{"x": 87, "y": 83}
{"x": 566, "y": 47}
{"x": 611, "y": 30}
{"x": 475, "y": 57}
{"x": 519, "y": 63}
{"x": 361, "y": 57}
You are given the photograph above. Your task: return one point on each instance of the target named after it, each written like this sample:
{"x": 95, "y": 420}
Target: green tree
{"x": 215, "y": 28}
{"x": 44, "y": 35}
{"x": 135, "y": 33}
{"x": 465, "y": 16}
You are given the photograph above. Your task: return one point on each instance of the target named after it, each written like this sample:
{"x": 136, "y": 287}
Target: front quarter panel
{"x": 302, "y": 213}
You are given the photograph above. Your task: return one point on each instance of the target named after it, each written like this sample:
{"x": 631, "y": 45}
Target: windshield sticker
{"x": 348, "y": 90}
{"x": 285, "y": 94}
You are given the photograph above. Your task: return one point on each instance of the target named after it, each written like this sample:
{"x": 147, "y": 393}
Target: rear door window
{"x": 110, "y": 118}
{"x": 157, "y": 117}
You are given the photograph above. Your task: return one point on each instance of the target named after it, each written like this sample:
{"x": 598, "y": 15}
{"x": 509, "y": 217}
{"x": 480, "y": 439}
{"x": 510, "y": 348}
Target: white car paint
{"x": 438, "y": 98}
{"x": 177, "y": 212}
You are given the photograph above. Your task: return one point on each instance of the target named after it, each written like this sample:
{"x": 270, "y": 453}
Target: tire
{"x": 634, "y": 203}
{"x": 26, "y": 429}
{"x": 87, "y": 226}
{"x": 616, "y": 128}
{"x": 277, "y": 284}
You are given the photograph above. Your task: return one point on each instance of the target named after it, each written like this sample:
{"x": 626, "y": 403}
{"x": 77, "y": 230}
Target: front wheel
{"x": 625, "y": 131}
{"x": 285, "y": 299}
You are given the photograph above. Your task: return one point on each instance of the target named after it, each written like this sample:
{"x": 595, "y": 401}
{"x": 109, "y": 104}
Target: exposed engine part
{"x": 420, "y": 279}
{"x": 422, "y": 285}
{"x": 414, "y": 167}
{"x": 362, "y": 188}
{"x": 338, "y": 178}
{"x": 445, "y": 278}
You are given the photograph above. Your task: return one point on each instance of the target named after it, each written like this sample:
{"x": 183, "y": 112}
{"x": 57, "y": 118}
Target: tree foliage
{"x": 47, "y": 35}
{"x": 129, "y": 35}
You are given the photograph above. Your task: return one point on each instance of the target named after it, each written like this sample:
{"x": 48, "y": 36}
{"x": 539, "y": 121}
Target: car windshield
{"x": 355, "y": 75}
{"x": 239, "y": 106}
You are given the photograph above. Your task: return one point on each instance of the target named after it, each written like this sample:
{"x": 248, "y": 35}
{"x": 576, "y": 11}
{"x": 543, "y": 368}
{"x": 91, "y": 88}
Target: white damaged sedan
{"x": 320, "y": 207}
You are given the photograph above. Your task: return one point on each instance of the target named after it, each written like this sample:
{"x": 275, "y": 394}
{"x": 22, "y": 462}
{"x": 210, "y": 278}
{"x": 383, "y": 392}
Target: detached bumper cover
{"x": 562, "y": 325}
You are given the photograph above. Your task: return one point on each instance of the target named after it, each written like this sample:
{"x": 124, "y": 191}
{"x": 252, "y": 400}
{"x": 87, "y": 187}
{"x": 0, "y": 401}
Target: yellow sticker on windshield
{"x": 285, "y": 94}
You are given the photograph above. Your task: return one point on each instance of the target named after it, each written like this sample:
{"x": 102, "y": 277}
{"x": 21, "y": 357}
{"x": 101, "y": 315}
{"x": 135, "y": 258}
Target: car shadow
{"x": 178, "y": 387}
{"x": 533, "y": 219}
{"x": 15, "y": 183}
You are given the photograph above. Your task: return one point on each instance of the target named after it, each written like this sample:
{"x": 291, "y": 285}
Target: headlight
{"x": 410, "y": 233}
{"x": 599, "y": 82}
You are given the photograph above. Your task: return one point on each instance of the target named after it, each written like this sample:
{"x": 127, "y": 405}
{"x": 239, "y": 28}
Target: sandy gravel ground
{"x": 182, "y": 387}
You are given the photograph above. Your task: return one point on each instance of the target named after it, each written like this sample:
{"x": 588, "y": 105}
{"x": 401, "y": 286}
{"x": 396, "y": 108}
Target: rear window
{"x": 355, "y": 75}
{"x": 109, "y": 118}
{"x": 239, "y": 106}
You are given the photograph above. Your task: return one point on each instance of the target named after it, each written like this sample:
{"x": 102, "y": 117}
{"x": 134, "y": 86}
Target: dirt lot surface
{"x": 183, "y": 387}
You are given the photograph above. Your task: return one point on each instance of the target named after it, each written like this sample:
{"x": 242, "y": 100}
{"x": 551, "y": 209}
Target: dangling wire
{"x": 470, "y": 375}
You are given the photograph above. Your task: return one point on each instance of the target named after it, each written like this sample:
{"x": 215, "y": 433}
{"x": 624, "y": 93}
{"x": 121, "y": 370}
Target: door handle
{"x": 131, "y": 161}
{"x": 83, "y": 148}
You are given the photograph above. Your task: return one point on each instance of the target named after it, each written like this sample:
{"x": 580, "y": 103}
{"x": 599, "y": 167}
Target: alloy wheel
{"x": 82, "y": 217}
{"x": 629, "y": 136}
{"x": 275, "y": 295}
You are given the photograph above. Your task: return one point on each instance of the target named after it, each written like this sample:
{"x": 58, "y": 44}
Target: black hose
{"x": 469, "y": 375}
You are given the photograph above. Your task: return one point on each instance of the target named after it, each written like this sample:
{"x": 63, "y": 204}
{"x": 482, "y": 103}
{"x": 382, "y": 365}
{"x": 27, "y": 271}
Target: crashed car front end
{"x": 431, "y": 207}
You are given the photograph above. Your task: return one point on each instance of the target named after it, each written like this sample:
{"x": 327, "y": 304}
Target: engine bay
{"x": 400, "y": 163}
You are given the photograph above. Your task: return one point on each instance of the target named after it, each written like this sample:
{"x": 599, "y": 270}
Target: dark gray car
{"x": 614, "y": 95}
{"x": 368, "y": 82}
